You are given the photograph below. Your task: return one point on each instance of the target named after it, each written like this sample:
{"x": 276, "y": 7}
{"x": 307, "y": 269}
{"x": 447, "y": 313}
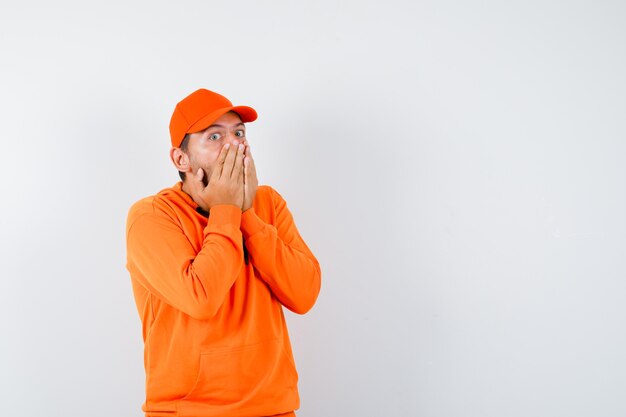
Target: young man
{"x": 212, "y": 260}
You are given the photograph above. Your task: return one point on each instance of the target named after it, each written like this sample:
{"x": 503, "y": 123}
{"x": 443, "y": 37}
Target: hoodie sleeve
{"x": 279, "y": 253}
{"x": 165, "y": 262}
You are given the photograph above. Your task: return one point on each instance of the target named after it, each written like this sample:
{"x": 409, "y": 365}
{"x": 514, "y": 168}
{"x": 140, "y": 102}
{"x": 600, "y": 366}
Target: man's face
{"x": 204, "y": 147}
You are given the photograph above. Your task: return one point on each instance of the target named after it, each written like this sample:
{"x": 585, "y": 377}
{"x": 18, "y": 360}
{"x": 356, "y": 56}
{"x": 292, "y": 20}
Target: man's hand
{"x": 250, "y": 181}
{"x": 226, "y": 185}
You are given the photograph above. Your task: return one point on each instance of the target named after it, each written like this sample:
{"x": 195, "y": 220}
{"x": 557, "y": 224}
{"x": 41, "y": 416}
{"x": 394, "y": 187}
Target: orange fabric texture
{"x": 210, "y": 292}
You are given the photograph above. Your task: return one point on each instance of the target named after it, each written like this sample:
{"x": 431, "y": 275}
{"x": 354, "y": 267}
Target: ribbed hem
{"x": 222, "y": 214}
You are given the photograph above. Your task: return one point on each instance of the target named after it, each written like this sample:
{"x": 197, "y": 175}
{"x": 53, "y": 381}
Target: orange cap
{"x": 199, "y": 110}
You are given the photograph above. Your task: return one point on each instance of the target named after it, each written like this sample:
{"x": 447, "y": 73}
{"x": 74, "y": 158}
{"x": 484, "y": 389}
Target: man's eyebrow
{"x": 218, "y": 125}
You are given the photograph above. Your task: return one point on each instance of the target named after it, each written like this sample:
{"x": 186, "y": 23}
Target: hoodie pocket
{"x": 249, "y": 373}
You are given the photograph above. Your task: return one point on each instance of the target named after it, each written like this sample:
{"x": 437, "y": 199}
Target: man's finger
{"x": 244, "y": 171}
{"x": 248, "y": 152}
{"x": 196, "y": 178}
{"x": 199, "y": 175}
{"x": 251, "y": 160}
{"x": 229, "y": 162}
{"x": 217, "y": 172}
{"x": 237, "y": 169}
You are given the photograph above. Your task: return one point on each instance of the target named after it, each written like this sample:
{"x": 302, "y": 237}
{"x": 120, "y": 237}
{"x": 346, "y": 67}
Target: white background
{"x": 457, "y": 167}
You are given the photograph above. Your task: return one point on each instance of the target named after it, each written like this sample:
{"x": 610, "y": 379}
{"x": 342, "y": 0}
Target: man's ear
{"x": 180, "y": 160}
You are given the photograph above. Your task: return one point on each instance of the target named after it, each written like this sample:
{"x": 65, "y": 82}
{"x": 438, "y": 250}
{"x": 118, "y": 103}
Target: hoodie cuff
{"x": 224, "y": 214}
{"x": 251, "y": 223}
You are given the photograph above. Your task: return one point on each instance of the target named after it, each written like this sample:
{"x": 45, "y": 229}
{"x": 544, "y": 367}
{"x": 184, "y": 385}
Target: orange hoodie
{"x": 210, "y": 292}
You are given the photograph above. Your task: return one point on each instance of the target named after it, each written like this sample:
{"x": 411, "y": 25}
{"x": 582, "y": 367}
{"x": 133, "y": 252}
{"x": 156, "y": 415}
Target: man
{"x": 212, "y": 260}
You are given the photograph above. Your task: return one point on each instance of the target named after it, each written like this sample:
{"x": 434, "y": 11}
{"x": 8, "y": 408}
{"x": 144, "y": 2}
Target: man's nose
{"x": 234, "y": 140}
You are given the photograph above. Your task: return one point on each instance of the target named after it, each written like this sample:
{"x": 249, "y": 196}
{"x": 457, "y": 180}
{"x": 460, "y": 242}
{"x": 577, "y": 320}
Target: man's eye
{"x": 214, "y": 136}
{"x": 240, "y": 133}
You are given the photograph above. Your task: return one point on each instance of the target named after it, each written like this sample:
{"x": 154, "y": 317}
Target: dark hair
{"x": 184, "y": 145}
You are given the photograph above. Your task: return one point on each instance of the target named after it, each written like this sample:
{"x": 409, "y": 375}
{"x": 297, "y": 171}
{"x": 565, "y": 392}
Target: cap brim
{"x": 246, "y": 114}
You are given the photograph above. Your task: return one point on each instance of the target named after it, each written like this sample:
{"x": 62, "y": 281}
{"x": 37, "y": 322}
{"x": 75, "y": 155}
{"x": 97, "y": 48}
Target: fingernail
{"x": 227, "y": 145}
